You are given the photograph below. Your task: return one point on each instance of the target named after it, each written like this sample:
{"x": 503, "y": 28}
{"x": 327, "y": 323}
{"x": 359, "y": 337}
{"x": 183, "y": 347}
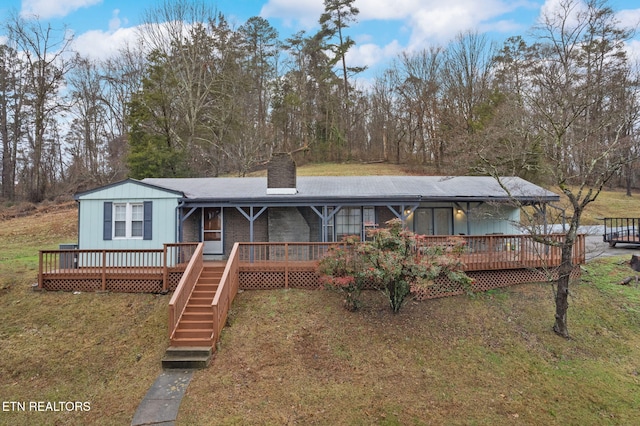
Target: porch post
{"x": 251, "y": 217}
{"x": 325, "y": 216}
{"x": 181, "y": 219}
{"x": 325, "y": 224}
{"x": 405, "y": 212}
{"x": 468, "y": 221}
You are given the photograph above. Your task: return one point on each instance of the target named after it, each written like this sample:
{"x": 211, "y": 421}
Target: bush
{"x": 393, "y": 260}
{"x": 342, "y": 269}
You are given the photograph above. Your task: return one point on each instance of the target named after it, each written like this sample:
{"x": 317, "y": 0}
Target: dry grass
{"x": 101, "y": 348}
{"x": 297, "y": 357}
{"x": 612, "y": 203}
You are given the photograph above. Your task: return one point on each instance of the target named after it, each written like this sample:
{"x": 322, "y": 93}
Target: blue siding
{"x": 160, "y": 222}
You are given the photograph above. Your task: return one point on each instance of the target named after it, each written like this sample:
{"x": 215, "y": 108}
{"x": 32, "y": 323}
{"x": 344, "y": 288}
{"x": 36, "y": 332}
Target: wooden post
{"x": 40, "y": 279}
{"x": 286, "y": 265}
{"x": 104, "y": 270}
{"x": 165, "y": 270}
{"x": 172, "y": 319}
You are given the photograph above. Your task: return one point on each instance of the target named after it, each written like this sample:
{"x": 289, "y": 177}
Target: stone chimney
{"x": 281, "y": 175}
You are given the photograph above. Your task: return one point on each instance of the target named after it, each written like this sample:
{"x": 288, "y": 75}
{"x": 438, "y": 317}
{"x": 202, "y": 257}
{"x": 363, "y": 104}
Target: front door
{"x": 212, "y": 230}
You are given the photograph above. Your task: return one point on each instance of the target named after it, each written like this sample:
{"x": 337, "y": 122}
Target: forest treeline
{"x": 196, "y": 96}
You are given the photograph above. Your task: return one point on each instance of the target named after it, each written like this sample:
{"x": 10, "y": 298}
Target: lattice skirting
{"x": 124, "y": 285}
{"x": 72, "y": 284}
{"x": 174, "y": 280}
{"x": 254, "y": 279}
{"x": 302, "y": 278}
{"x": 488, "y": 280}
{"x": 483, "y": 280}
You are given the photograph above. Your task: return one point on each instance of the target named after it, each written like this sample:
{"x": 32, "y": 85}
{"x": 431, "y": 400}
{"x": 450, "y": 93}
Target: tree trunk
{"x": 562, "y": 290}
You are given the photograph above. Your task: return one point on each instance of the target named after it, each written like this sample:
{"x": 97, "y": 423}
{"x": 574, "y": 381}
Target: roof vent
{"x": 281, "y": 175}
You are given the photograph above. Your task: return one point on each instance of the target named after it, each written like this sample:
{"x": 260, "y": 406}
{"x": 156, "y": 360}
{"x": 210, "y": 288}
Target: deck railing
{"x": 226, "y": 292}
{"x": 482, "y": 252}
{"x": 105, "y": 264}
{"x": 497, "y": 252}
{"x": 489, "y": 258}
{"x": 283, "y": 252}
{"x": 181, "y": 295}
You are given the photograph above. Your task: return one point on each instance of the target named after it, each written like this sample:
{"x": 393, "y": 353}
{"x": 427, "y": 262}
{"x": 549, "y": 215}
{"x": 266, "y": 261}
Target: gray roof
{"x": 356, "y": 189}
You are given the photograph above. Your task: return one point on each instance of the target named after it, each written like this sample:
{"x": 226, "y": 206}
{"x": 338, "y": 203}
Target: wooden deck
{"x": 147, "y": 271}
{"x": 492, "y": 260}
{"x": 200, "y": 304}
{"x": 266, "y": 265}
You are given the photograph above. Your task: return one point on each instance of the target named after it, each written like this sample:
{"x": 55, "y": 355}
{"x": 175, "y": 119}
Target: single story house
{"x": 145, "y": 214}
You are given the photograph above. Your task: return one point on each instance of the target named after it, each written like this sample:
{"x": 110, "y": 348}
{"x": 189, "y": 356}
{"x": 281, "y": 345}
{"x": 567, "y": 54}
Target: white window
{"x": 128, "y": 220}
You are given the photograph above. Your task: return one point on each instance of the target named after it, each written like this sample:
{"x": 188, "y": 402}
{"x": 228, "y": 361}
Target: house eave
{"x": 78, "y": 195}
{"x": 284, "y": 201}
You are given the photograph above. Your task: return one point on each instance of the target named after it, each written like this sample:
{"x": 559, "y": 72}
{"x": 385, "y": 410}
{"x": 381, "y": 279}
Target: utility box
{"x": 68, "y": 260}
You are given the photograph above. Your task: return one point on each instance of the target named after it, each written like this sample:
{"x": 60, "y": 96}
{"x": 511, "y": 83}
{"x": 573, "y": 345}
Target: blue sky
{"x": 385, "y": 28}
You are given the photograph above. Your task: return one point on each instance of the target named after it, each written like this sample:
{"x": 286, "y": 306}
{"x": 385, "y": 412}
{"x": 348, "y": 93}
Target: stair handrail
{"x": 185, "y": 287}
{"x": 226, "y": 292}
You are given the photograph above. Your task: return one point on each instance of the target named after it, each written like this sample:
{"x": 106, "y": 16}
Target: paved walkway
{"x": 160, "y": 405}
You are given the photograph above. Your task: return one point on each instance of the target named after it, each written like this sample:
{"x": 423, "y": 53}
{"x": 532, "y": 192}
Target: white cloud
{"x": 440, "y": 22}
{"x": 46, "y": 9}
{"x": 370, "y": 54}
{"x": 98, "y": 44}
{"x": 629, "y": 18}
{"x": 633, "y": 51}
{"x": 115, "y": 22}
{"x": 389, "y": 9}
{"x": 294, "y": 13}
{"x": 554, "y": 10}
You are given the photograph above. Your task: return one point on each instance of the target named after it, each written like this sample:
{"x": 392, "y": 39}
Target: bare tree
{"x": 46, "y": 54}
{"x": 121, "y": 77}
{"x": 418, "y": 85}
{"x": 581, "y": 103}
{"x": 467, "y": 81}
{"x": 12, "y": 106}
{"x": 87, "y": 134}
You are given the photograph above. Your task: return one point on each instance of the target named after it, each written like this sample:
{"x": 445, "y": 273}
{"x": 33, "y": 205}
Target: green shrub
{"x": 393, "y": 260}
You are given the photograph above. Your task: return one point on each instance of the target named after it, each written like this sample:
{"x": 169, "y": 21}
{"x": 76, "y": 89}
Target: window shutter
{"x": 107, "y": 221}
{"x": 148, "y": 210}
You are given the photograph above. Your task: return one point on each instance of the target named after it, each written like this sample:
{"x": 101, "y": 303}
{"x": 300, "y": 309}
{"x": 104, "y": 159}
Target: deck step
{"x": 198, "y": 308}
{"x": 200, "y": 301}
{"x": 189, "y": 333}
{"x": 198, "y": 324}
{"x": 192, "y": 341}
{"x": 187, "y": 357}
{"x": 196, "y": 316}
{"x": 205, "y": 289}
{"x": 211, "y": 288}
{"x": 199, "y": 294}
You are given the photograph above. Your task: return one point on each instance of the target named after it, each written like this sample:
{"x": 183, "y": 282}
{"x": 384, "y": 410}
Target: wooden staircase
{"x": 192, "y": 342}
